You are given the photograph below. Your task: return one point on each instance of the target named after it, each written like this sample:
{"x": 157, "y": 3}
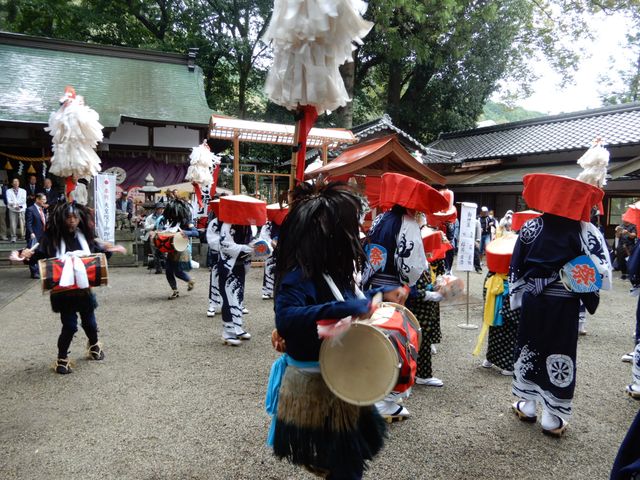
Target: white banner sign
{"x": 467, "y": 239}
{"x": 105, "y": 201}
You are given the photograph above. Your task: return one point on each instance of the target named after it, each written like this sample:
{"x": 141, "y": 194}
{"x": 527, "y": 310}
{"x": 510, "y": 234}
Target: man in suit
{"x": 50, "y": 193}
{"x": 36, "y": 219}
{"x": 32, "y": 189}
{"x": 16, "y": 199}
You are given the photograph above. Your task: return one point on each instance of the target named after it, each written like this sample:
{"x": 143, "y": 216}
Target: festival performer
{"x": 318, "y": 247}
{"x": 70, "y": 233}
{"x": 547, "y": 280}
{"x": 395, "y": 251}
{"x": 213, "y": 257}
{"x": 627, "y": 463}
{"x": 633, "y": 267}
{"x": 177, "y": 218}
{"x": 500, "y": 321}
{"x": 237, "y": 214}
{"x": 270, "y": 233}
{"x": 424, "y": 304}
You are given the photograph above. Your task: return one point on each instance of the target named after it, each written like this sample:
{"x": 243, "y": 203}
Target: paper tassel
{"x": 31, "y": 169}
{"x": 8, "y": 166}
{"x": 311, "y": 39}
{"x": 201, "y": 164}
{"x": 76, "y": 132}
{"x": 44, "y": 170}
{"x": 20, "y": 168}
{"x": 594, "y": 163}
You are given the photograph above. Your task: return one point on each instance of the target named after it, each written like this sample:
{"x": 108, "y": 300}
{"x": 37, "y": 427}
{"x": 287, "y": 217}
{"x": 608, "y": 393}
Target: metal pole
{"x": 467, "y": 325}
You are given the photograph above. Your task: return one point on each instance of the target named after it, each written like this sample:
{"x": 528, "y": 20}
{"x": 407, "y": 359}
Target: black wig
{"x": 57, "y": 229}
{"x": 177, "y": 212}
{"x": 321, "y": 234}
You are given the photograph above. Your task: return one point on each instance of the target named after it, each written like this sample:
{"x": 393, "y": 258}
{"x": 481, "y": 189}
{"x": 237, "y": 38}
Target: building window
{"x": 617, "y": 206}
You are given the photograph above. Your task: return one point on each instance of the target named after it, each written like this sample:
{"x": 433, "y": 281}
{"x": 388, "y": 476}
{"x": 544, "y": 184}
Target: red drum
{"x": 242, "y": 210}
{"x": 499, "y": 252}
{"x": 170, "y": 242}
{"x": 373, "y": 357}
{"x": 51, "y": 270}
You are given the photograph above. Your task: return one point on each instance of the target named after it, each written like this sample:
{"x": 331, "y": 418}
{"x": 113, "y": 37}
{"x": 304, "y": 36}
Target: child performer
{"x": 319, "y": 246}
{"x": 177, "y": 217}
{"x": 70, "y": 230}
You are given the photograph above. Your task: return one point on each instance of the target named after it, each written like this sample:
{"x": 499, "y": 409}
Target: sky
{"x": 583, "y": 92}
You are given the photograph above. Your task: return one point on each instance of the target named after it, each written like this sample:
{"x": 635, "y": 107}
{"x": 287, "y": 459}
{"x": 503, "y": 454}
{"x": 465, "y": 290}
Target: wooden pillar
{"x": 236, "y": 163}
{"x": 325, "y": 153}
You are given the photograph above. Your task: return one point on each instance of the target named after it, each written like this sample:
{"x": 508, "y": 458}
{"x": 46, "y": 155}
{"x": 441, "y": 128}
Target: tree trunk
{"x": 344, "y": 115}
{"x": 242, "y": 92}
{"x": 394, "y": 89}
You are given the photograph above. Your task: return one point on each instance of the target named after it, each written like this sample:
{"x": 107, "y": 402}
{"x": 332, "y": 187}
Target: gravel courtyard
{"x": 171, "y": 402}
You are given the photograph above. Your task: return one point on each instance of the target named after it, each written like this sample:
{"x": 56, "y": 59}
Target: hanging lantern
{"x": 7, "y": 166}
{"x": 31, "y": 169}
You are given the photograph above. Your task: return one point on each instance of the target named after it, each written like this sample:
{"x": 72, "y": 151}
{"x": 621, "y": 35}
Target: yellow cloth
{"x": 495, "y": 287}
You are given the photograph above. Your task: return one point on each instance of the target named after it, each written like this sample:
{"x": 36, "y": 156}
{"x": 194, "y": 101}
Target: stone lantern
{"x": 150, "y": 191}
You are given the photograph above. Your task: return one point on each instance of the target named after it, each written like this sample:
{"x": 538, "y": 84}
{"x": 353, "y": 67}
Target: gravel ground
{"x": 171, "y": 402}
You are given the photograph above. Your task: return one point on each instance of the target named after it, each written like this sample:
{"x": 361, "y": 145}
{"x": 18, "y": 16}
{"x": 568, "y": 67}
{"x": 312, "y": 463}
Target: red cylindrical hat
{"x": 214, "y": 205}
{"x": 499, "y": 252}
{"x": 397, "y": 189}
{"x": 448, "y": 215}
{"x": 440, "y": 252}
{"x": 243, "y": 210}
{"x": 562, "y": 196}
{"x": 520, "y": 218}
{"x": 632, "y": 214}
{"x": 431, "y": 239}
{"x": 277, "y": 214}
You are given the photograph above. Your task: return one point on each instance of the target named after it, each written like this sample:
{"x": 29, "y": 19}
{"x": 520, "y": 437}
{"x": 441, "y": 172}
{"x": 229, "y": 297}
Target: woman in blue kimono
{"x": 319, "y": 249}
{"x": 545, "y": 366}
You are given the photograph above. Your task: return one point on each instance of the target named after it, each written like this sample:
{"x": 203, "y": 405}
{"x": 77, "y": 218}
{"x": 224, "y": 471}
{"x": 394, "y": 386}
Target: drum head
{"x": 412, "y": 318}
{"x": 360, "y": 368}
{"x": 180, "y": 242}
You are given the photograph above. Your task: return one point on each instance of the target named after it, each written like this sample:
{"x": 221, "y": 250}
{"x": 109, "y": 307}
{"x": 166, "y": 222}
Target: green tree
{"x": 440, "y": 60}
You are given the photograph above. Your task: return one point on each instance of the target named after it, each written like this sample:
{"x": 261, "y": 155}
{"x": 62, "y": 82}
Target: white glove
{"x": 432, "y": 296}
{"x": 246, "y": 249}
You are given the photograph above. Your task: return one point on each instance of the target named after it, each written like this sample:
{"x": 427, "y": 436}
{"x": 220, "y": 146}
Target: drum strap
{"x": 336, "y": 291}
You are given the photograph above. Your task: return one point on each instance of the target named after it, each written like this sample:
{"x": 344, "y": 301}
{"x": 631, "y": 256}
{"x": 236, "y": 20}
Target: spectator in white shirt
{"x": 17, "y": 205}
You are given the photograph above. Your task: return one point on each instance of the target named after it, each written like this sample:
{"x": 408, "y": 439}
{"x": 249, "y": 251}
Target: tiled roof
{"x": 384, "y": 126}
{"x": 116, "y": 82}
{"x": 618, "y": 125}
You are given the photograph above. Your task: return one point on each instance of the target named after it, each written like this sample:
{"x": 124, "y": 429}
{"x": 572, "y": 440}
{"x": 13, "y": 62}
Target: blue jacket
{"x": 33, "y": 222}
